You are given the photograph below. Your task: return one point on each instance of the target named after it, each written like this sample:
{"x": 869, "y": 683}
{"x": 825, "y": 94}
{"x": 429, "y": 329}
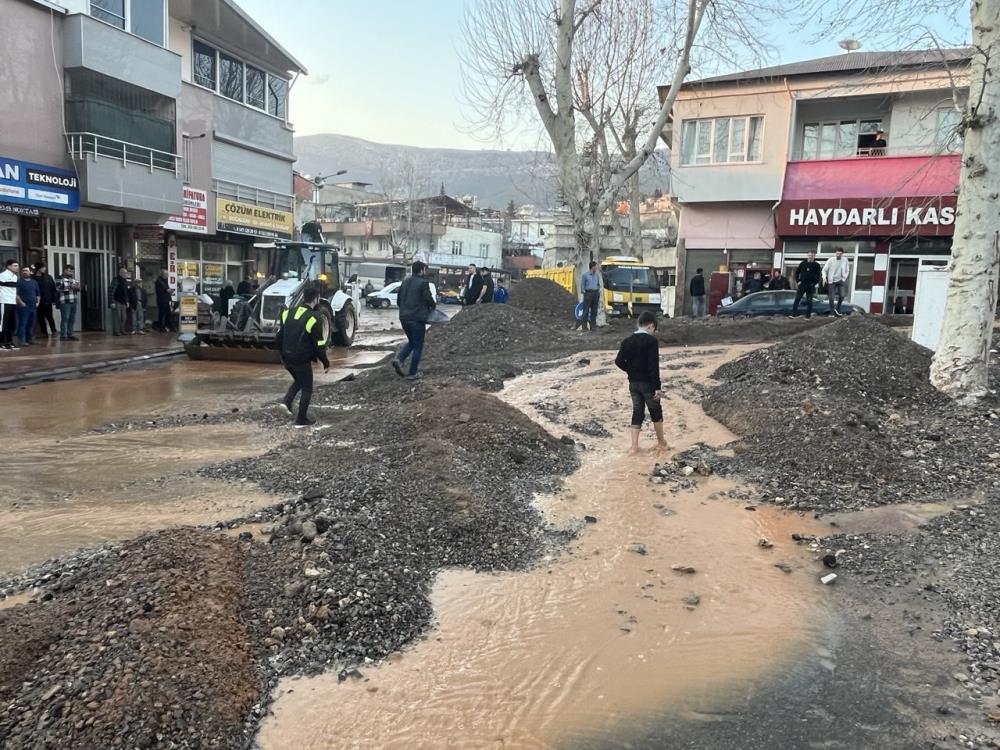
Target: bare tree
{"x": 548, "y": 60}
{"x": 404, "y": 181}
{"x": 959, "y": 367}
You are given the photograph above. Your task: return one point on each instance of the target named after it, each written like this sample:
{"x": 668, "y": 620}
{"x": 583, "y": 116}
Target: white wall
{"x": 914, "y": 122}
{"x": 473, "y": 242}
{"x": 179, "y": 42}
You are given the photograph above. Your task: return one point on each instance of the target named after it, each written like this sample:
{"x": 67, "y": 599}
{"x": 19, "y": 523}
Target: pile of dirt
{"x": 136, "y": 647}
{"x": 946, "y": 573}
{"x": 496, "y": 331}
{"x": 388, "y": 494}
{"x": 843, "y": 417}
{"x": 544, "y": 298}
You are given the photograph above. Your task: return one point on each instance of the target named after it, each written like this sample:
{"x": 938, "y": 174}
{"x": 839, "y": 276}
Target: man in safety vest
{"x": 300, "y": 342}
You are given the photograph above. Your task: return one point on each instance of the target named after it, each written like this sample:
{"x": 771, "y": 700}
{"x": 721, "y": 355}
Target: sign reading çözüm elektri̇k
{"x": 25, "y": 188}
{"x": 257, "y": 221}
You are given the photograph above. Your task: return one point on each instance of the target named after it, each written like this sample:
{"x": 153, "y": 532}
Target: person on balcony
{"x": 879, "y": 145}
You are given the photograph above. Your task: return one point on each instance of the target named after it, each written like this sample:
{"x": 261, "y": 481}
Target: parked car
{"x": 387, "y": 297}
{"x": 780, "y": 303}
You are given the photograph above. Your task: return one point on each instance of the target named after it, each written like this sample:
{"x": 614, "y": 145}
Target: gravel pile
{"x": 141, "y": 648}
{"x": 390, "y": 493}
{"x": 494, "y": 330}
{"x": 544, "y": 298}
{"x": 948, "y": 570}
{"x": 843, "y": 417}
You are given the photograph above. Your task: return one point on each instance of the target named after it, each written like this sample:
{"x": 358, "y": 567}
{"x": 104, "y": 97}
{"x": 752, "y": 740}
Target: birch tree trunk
{"x": 959, "y": 367}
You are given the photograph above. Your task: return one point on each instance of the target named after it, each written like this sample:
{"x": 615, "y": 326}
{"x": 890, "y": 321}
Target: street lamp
{"x": 319, "y": 180}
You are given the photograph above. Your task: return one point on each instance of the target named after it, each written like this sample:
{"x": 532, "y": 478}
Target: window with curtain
{"x": 147, "y": 19}
{"x": 722, "y": 140}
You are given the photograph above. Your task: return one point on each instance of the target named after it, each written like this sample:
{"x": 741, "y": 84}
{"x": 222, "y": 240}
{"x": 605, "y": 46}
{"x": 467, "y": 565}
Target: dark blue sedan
{"x": 780, "y": 303}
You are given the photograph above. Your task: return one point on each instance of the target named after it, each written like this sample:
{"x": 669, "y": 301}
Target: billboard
{"x": 25, "y": 187}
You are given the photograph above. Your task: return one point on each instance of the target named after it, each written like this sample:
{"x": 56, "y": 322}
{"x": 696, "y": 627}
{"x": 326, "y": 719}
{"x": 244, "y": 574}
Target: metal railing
{"x": 250, "y": 194}
{"x": 874, "y": 152}
{"x": 82, "y": 145}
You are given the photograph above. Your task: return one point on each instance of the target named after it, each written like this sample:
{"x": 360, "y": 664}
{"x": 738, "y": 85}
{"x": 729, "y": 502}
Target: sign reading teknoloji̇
{"x": 27, "y": 187}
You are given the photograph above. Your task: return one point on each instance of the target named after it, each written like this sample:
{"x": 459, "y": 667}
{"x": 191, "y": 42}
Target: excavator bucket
{"x": 233, "y": 346}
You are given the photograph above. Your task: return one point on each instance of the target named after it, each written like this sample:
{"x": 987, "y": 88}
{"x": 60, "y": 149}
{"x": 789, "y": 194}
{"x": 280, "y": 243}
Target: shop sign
{"x": 211, "y": 280}
{"x": 188, "y": 314}
{"x": 194, "y": 217}
{"x": 147, "y": 233}
{"x": 36, "y": 186}
{"x": 258, "y": 221}
{"x": 868, "y": 217}
{"x": 172, "y": 264}
{"x": 7, "y": 208}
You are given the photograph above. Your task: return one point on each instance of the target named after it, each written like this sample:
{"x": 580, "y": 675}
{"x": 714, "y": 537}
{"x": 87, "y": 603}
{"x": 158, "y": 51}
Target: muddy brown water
{"x": 600, "y": 636}
{"x": 70, "y": 487}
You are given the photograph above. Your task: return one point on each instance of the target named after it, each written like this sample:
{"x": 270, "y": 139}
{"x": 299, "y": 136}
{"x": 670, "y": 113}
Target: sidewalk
{"x": 51, "y": 358}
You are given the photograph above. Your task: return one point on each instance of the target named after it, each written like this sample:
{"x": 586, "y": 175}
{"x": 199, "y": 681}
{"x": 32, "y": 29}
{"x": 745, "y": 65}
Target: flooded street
{"x": 598, "y": 639}
{"x": 74, "y": 486}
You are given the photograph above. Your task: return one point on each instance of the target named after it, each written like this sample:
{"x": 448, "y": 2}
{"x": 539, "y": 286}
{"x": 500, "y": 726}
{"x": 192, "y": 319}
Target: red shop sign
{"x": 868, "y": 217}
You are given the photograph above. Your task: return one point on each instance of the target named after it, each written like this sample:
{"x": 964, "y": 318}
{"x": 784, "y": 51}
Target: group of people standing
{"x": 479, "y": 287}
{"x": 835, "y": 273}
{"x": 128, "y": 305}
{"x": 29, "y": 295}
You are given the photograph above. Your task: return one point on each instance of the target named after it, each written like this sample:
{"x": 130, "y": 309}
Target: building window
{"x": 109, "y": 11}
{"x": 456, "y": 247}
{"x": 233, "y": 78}
{"x": 277, "y": 96}
{"x": 364, "y": 247}
{"x": 722, "y": 140}
{"x": 256, "y": 82}
{"x": 230, "y": 77}
{"x": 204, "y": 65}
{"x": 147, "y": 18}
{"x": 484, "y": 249}
{"x": 838, "y": 140}
{"x": 383, "y": 246}
{"x": 144, "y": 18}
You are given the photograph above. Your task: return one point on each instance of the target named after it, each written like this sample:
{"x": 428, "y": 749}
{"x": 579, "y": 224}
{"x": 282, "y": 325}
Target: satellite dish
{"x": 849, "y": 45}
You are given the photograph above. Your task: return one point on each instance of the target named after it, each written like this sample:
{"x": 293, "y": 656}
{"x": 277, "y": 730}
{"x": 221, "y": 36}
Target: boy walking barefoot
{"x": 639, "y": 356}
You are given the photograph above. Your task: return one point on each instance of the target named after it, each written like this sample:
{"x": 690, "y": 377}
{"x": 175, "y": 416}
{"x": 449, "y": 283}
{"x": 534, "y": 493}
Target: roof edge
{"x": 296, "y": 65}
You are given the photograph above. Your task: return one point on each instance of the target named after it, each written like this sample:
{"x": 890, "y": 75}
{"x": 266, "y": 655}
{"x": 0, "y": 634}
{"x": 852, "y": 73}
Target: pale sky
{"x": 388, "y": 70}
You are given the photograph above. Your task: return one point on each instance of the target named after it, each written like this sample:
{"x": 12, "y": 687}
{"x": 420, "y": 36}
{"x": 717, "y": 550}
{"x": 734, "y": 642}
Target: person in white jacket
{"x": 8, "y": 304}
{"x": 836, "y": 272}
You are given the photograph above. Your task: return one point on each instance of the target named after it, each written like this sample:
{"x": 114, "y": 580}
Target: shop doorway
{"x": 901, "y": 291}
{"x": 59, "y": 259}
{"x": 94, "y": 272}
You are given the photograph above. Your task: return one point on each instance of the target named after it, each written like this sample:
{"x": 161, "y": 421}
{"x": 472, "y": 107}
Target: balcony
{"x": 873, "y": 175}
{"x": 127, "y": 175}
{"x": 102, "y": 48}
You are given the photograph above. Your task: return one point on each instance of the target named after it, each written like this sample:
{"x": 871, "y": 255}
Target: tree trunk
{"x": 959, "y": 367}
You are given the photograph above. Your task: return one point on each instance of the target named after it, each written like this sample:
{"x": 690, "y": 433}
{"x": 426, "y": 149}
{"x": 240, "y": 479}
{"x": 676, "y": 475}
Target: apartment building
{"x": 859, "y": 151}
{"x": 161, "y": 130}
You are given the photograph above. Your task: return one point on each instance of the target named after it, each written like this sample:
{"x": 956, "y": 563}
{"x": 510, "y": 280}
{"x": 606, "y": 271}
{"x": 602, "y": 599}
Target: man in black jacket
{"x": 807, "y": 277}
{"x": 696, "y": 288}
{"x": 415, "y": 304}
{"x": 778, "y": 281}
{"x": 639, "y": 356}
{"x": 473, "y": 285}
{"x": 300, "y": 341}
{"x": 47, "y": 296}
{"x": 488, "y": 287}
{"x": 163, "y": 301}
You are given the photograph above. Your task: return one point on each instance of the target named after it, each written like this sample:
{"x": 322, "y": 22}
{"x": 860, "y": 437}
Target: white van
{"x": 379, "y": 275}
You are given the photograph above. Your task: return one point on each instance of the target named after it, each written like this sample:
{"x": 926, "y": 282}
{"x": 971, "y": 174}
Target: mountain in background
{"x": 495, "y": 177}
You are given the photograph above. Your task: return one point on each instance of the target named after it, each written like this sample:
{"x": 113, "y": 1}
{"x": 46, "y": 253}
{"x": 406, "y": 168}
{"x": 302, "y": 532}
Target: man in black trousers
{"x": 807, "y": 276}
{"x": 300, "y": 341}
{"x": 163, "y": 301}
{"x": 47, "y": 296}
{"x": 473, "y": 285}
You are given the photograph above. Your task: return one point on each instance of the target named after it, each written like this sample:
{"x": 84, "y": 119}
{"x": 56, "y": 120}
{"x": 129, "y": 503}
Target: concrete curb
{"x": 76, "y": 371}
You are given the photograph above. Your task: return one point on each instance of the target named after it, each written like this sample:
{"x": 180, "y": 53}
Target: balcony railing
{"x": 872, "y": 153}
{"x": 250, "y": 194}
{"x": 82, "y": 145}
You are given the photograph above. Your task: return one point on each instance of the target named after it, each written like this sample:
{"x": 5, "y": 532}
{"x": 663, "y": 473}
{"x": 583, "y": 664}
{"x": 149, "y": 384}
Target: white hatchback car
{"x": 387, "y": 296}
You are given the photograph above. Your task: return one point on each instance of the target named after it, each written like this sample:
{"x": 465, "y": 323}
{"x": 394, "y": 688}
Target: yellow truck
{"x": 630, "y": 286}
